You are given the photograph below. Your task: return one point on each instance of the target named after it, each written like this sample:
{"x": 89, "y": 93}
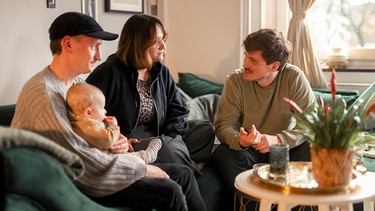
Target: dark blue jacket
{"x": 118, "y": 83}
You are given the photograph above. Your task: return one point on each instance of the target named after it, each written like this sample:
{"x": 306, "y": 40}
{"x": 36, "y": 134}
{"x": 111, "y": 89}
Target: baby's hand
{"x": 111, "y": 120}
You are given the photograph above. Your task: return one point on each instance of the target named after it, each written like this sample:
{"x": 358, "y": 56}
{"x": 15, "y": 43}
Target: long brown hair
{"x": 137, "y": 35}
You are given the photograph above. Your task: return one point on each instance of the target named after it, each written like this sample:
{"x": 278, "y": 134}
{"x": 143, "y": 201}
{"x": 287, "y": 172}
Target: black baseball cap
{"x": 75, "y": 23}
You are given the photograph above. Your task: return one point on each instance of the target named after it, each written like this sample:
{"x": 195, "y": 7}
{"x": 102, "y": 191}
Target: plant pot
{"x": 332, "y": 167}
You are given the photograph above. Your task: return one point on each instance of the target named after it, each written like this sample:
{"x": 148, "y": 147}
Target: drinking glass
{"x": 279, "y": 162}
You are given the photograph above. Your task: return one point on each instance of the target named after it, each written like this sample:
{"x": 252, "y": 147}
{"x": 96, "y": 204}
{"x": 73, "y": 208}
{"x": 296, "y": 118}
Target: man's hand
{"x": 154, "y": 171}
{"x": 258, "y": 141}
{"x": 249, "y": 139}
{"x": 124, "y": 145}
{"x": 265, "y": 142}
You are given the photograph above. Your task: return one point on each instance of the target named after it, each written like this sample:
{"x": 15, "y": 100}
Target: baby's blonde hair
{"x": 81, "y": 96}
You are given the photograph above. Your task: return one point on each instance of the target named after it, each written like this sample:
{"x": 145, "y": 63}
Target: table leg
{"x": 283, "y": 206}
{"x": 348, "y": 207}
{"x": 265, "y": 205}
{"x": 368, "y": 205}
{"x": 323, "y": 207}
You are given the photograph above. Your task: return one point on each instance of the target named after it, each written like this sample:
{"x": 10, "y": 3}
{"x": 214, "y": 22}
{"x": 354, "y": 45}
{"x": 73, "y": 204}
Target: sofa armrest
{"x": 34, "y": 174}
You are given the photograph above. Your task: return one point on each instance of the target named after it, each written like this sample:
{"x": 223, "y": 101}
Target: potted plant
{"x": 332, "y": 131}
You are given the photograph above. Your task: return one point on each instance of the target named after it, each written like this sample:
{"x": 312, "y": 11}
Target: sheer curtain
{"x": 303, "y": 52}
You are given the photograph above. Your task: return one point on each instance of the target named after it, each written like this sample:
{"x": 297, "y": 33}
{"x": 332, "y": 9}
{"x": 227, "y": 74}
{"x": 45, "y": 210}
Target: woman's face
{"x": 157, "y": 50}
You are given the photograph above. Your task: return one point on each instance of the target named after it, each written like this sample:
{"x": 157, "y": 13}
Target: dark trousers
{"x": 195, "y": 148}
{"x": 178, "y": 193}
{"x": 229, "y": 163}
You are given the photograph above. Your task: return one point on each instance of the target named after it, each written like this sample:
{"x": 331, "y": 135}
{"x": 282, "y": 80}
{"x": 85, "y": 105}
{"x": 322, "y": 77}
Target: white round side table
{"x": 267, "y": 197}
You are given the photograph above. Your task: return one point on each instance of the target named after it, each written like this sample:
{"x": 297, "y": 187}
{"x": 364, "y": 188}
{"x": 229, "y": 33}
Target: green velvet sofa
{"x": 195, "y": 86}
{"x": 33, "y": 180}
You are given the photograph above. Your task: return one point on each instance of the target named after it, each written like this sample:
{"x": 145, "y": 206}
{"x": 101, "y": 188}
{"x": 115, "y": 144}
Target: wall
{"x": 25, "y": 45}
{"x": 205, "y": 38}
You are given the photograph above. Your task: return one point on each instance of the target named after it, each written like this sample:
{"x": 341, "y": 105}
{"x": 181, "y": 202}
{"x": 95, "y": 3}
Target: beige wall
{"x": 25, "y": 45}
{"x": 204, "y": 38}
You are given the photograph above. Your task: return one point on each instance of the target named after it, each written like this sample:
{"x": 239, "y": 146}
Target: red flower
{"x": 326, "y": 110}
{"x": 333, "y": 86}
{"x": 370, "y": 110}
{"x": 293, "y": 105}
{"x": 321, "y": 101}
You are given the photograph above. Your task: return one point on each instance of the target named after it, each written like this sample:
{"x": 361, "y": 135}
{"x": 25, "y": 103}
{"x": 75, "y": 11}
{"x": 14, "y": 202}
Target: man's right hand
{"x": 250, "y": 138}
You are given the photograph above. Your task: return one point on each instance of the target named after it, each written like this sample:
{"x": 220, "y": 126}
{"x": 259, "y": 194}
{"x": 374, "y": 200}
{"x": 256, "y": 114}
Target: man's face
{"x": 256, "y": 68}
{"x": 86, "y": 52}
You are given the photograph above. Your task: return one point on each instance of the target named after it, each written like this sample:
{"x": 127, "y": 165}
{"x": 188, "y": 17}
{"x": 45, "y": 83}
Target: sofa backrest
{"x": 6, "y": 114}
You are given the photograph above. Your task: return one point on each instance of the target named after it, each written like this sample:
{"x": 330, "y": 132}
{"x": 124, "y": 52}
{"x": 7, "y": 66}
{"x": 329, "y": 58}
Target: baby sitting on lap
{"x": 88, "y": 118}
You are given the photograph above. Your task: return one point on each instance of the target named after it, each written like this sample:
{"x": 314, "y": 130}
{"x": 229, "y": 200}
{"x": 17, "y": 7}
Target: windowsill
{"x": 350, "y": 70}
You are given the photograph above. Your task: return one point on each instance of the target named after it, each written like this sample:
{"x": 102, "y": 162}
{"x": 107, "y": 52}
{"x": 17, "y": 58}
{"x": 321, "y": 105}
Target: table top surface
{"x": 366, "y": 191}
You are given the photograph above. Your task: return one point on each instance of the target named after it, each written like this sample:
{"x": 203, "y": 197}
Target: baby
{"x": 88, "y": 118}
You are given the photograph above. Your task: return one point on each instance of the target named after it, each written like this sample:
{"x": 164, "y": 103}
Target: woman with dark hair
{"x": 144, "y": 98}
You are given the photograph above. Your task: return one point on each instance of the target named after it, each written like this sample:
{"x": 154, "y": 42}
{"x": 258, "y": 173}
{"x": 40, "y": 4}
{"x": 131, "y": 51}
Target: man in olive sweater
{"x": 252, "y": 113}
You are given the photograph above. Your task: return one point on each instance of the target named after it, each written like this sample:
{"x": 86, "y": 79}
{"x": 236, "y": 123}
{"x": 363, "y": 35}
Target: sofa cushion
{"x": 195, "y": 86}
{"x": 350, "y": 96}
{"x": 6, "y": 114}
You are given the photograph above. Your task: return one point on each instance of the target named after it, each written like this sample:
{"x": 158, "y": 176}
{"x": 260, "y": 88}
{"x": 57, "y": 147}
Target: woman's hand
{"x": 124, "y": 145}
{"x": 154, "y": 171}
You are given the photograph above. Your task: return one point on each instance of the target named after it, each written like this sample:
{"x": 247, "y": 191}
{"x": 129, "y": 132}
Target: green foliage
{"x": 331, "y": 127}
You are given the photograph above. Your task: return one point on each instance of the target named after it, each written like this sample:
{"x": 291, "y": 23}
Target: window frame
{"x": 275, "y": 14}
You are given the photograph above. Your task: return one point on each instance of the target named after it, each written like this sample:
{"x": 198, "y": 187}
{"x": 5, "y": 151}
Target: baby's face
{"x": 98, "y": 111}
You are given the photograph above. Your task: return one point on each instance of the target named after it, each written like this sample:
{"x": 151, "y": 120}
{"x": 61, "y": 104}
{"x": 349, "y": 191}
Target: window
{"x": 352, "y": 20}
{"x": 349, "y": 24}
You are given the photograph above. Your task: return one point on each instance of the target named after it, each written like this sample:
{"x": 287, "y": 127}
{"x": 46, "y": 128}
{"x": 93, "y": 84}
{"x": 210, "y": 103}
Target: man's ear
{"x": 275, "y": 66}
{"x": 87, "y": 112}
{"x": 66, "y": 43}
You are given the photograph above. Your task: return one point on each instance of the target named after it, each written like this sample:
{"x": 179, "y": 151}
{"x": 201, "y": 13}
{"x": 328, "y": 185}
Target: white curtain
{"x": 303, "y": 54}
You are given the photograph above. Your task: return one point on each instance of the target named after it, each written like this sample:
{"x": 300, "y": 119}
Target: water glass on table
{"x": 279, "y": 162}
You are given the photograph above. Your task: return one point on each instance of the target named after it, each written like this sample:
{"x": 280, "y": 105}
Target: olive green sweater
{"x": 244, "y": 103}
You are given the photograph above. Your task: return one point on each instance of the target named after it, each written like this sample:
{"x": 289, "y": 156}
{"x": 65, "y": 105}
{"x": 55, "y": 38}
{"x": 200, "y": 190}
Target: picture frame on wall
{"x": 90, "y": 7}
{"x": 129, "y": 6}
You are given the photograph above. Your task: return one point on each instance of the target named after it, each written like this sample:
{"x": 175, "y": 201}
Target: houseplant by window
{"x": 332, "y": 131}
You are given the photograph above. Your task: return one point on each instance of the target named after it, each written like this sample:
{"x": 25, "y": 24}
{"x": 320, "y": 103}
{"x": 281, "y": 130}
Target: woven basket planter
{"x": 332, "y": 167}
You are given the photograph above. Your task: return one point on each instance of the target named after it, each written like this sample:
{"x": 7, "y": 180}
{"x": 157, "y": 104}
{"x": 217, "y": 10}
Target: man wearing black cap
{"x": 114, "y": 179}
